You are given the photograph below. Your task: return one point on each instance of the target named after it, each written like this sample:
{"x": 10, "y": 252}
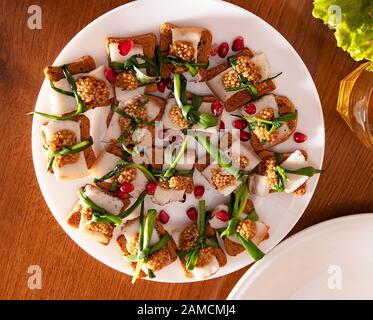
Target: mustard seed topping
{"x": 127, "y": 80}
{"x": 221, "y": 180}
{"x": 205, "y": 256}
{"x": 188, "y": 237}
{"x": 181, "y": 183}
{"x": 248, "y": 69}
{"x": 159, "y": 259}
{"x": 177, "y": 118}
{"x": 59, "y": 140}
{"x": 132, "y": 244}
{"x": 271, "y": 176}
{"x": 266, "y": 114}
{"x": 94, "y": 92}
{"x": 231, "y": 79}
{"x": 127, "y": 175}
{"x": 184, "y": 50}
{"x": 246, "y": 228}
{"x": 104, "y": 228}
{"x": 263, "y": 135}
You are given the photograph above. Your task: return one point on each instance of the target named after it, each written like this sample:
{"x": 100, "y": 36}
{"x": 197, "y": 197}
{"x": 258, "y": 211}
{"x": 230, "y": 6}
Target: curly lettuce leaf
{"x": 353, "y": 24}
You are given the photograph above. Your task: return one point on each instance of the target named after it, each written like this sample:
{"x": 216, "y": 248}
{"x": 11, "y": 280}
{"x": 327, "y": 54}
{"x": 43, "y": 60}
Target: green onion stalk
{"x": 81, "y": 146}
{"x": 147, "y": 224}
{"x": 236, "y": 208}
{"x": 80, "y": 104}
{"x": 190, "y": 111}
{"x": 191, "y": 66}
{"x": 172, "y": 169}
{"x": 271, "y": 125}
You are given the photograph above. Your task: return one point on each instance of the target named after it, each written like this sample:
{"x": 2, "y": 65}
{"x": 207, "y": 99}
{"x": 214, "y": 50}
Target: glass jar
{"x": 355, "y": 102}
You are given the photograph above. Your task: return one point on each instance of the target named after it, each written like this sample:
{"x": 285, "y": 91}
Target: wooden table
{"x": 29, "y": 233}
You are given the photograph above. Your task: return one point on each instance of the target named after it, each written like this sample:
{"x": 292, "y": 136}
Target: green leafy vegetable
{"x": 61, "y": 91}
{"x": 132, "y": 208}
{"x": 306, "y": 171}
{"x": 271, "y": 125}
{"x": 191, "y": 66}
{"x": 172, "y": 169}
{"x": 353, "y": 24}
{"x": 219, "y": 156}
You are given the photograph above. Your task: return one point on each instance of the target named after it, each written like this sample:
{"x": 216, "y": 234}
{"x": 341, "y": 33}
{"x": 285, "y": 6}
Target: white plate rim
{"x": 288, "y": 244}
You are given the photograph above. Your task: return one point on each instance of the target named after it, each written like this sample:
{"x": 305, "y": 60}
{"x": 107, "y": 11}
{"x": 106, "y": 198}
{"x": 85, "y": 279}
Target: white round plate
{"x": 331, "y": 260}
{"x": 225, "y": 21}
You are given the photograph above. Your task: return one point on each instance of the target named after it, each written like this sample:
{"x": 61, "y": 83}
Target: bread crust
{"x": 285, "y": 106}
{"x": 203, "y": 51}
{"x": 243, "y": 96}
{"x": 147, "y": 41}
{"x": 83, "y": 65}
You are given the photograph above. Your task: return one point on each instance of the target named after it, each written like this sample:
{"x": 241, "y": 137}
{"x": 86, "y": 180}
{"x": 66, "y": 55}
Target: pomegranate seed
{"x": 199, "y": 191}
{"x": 192, "y": 213}
{"x": 110, "y": 75}
{"x": 161, "y": 86}
{"x": 163, "y": 216}
{"x": 150, "y": 187}
{"x": 172, "y": 139}
{"x": 238, "y": 44}
{"x": 221, "y": 125}
{"x": 216, "y": 108}
{"x": 245, "y": 135}
{"x": 122, "y": 195}
{"x": 299, "y": 137}
{"x": 250, "y": 108}
{"x": 125, "y": 46}
{"x": 214, "y": 50}
{"x": 184, "y": 198}
{"x": 222, "y": 215}
{"x": 239, "y": 124}
{"x": 126, "y": 187}
{"x": 223, "y": 49}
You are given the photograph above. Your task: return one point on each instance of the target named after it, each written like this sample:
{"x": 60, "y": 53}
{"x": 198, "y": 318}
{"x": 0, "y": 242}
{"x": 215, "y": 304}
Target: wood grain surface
{"x": 29, "y": 233}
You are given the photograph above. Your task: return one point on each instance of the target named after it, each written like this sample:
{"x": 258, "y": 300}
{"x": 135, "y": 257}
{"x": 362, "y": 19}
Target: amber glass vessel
{"x": 355, "y": 102}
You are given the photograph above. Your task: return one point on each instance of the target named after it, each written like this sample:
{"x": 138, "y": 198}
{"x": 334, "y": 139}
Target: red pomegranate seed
{"x": 172, "y": 139}
{"x": 110, "y": 75}
{"x": 163, "y": 216}
{"x": 239, "y": 124}
{"x": 238, "y": 44}
{"x": 299, "y": 137}
{"x": 222, "y": 125}
{"x": 222, "y": 215}
{"x": 125, "y": 46}
{"x": 216, "y": 108}
{"x": 192, "y": 213}
{"x": 161, "y": 86}
{"x": 214, "y": 50}
{"x": 150, "y": 187}
{"x": 250, "y": 108}
{"x": 223, "y": 49}
{"x": 123, "y": 195}
{"x": 126, "y": 187}
{"x": 245, "y": 135}
{"x": 199, "y": 191}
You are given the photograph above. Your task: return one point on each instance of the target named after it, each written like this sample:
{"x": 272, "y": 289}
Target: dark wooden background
{"x": 30, "y": 235}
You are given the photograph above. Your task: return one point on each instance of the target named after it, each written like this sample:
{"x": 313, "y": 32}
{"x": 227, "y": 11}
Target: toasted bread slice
{"x": 266, "y": 154}
{"x": 217, "y": 252}
{"x": 80, "y": 126}
{"x": 236, "y": 99}
{"x": 203, "y": 48}
{"x": 102, "y": 232}
{"x": 148, "y": 43}
{"x": 154, "y": 108}
{"x": 83, "y": 65}
{"x": 285, "y": 106}
{"x": 170, "y": 248}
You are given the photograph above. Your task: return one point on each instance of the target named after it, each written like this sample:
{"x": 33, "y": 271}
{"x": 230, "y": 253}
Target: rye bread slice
{"x": 171, "y": 247}
{"x": 83, "y": 65}
{"x": 285, "y": 106}
{"x": 147, "y": 41}
{"x": 241, "y": 97}
{"x": 204, "y": 48}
